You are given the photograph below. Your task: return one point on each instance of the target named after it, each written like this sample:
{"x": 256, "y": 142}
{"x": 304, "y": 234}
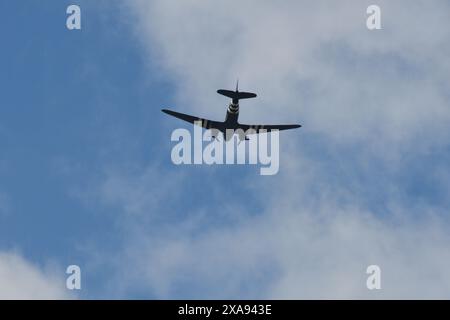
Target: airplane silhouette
{"x": 231, "y": 123}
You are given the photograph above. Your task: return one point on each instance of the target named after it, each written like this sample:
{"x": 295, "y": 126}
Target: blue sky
{"x": 66, "y": 95}
{"x": 86, "y": 176}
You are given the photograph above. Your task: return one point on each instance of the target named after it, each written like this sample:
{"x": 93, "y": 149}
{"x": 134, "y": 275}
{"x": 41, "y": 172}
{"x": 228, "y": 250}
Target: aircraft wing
{"x": 259, "y": 127}
{"x": 207, "y": 124}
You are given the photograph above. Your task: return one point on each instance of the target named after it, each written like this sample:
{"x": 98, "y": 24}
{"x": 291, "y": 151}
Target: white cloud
{"x": 375, "y": 95}
{"x": 314, "y": 62}
{"x": 298, "y": 246}
{"x": 20, "y": 279}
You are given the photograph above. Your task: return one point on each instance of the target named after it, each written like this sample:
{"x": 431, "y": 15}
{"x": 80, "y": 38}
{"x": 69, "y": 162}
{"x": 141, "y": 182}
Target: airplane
{"x": 231, "y": 119}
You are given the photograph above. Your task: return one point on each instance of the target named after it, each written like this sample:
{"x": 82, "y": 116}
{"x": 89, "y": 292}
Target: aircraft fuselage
{"x": 231, "y": 118}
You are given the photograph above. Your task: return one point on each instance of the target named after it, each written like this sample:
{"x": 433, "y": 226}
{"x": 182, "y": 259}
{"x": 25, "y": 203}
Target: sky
{"x": 86, "y": 176}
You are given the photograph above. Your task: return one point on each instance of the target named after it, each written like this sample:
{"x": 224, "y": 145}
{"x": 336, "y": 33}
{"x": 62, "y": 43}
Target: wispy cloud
{"x": 301, "y": 245}
{"x": 315, "y": 62}
{"x": 20, "y": 279}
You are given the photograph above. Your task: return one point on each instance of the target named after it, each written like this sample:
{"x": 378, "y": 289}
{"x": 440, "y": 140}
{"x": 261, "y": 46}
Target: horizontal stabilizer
{"x": 236, "y": 95}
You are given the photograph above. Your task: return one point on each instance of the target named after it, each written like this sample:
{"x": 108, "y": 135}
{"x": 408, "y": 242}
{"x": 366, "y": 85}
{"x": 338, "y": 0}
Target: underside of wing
{"x": 258, "y": 128}
{"x": 205, "y": 123}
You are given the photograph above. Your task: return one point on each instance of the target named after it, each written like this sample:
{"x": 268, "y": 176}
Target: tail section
{"x": 236, "y": 95}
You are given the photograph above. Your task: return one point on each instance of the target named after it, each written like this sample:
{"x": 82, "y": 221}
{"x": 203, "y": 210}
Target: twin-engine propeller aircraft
{"x": 231, "y": 123}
